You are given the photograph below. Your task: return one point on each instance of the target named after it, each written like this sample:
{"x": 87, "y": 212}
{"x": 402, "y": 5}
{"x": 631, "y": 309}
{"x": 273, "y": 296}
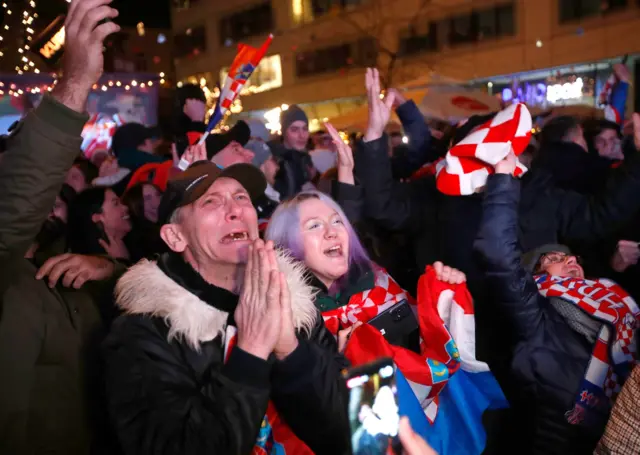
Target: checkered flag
{"x": 469, "y": 163}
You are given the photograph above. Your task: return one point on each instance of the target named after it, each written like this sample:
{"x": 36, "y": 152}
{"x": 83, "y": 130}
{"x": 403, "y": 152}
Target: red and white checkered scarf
{"x": 427, "y": 373}
{"x": 614, "y": 354}
{"x": 468, "y": 164}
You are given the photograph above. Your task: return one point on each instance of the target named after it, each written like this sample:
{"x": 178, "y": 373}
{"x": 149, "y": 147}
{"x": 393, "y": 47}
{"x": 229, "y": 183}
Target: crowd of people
{"x": 148, "y": 306}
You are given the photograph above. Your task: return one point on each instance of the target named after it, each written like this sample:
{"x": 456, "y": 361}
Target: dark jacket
{"x": 444, "y": 227}
{"x": 49, "y": 338}
{"x": 549, "y": 358}
{"x": 294, "y": 170}
{"x": 170, "y": 391}
{"x": 572, "y": 168}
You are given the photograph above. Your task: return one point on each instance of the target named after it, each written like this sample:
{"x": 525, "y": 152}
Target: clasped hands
{"x": 264, "y": 317}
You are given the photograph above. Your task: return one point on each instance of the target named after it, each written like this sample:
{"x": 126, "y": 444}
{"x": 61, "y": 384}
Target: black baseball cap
{"x": 187, "y": 187}
{"x": 132, "y": 135}
{"x": 240, "y": 133}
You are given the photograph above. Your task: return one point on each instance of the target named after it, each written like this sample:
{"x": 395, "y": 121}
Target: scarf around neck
{"x": 614, "y": 354}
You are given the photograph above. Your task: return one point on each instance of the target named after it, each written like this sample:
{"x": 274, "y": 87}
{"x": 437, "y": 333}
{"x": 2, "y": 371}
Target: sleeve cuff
{"x": 344, "y": 191}
{"x": 61, "y": 117}
{"x": 295, "y": 367}
{"x": 406, "y": 111}
{"x": 247, "y": 369}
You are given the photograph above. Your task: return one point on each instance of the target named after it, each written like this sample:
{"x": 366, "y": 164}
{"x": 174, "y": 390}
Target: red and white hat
{"x": 468, "y": 164}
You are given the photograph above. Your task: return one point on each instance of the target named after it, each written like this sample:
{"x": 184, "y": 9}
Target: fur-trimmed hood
{"x": 147, "y": 289}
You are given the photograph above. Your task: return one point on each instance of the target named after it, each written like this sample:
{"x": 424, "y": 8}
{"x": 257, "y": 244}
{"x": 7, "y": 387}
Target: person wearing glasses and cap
{"x": 560, "y": 326}
{"x": 221, "y": 342}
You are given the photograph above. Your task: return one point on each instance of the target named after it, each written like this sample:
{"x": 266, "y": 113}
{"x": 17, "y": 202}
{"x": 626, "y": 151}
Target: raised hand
{"x": 83, "y": 62}
{"x": 194, "y": 153}
{"x": 259, "y": 312}
{"x": 398, "y": 97}
{"x": 627, "y": 254}
{"x": 448, "y": 274}
{"x": 345, "y": 156}
{"x": 77, "y": 269}
{"x": 507, "y": 165}
{"x": 379, "y": 110}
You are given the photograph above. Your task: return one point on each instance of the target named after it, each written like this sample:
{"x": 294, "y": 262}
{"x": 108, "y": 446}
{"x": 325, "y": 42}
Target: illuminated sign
{"x": 49, "y": 45}
{"x": 53, "y": 45}
{"x": 541, "y": 94}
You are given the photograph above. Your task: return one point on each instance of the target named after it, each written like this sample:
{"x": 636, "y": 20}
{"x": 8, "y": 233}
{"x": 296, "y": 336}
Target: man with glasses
{"x": 560, "y": 328}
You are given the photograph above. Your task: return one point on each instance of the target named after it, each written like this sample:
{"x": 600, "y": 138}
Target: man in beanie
{"x": 221, "y": 338}
{"x": 557, "y": 325}
{"x": 296, "y": 168}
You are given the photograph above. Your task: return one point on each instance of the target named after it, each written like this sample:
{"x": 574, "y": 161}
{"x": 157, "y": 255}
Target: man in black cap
{"x": 217, "y": 328}
{"x": 228, "y": 148}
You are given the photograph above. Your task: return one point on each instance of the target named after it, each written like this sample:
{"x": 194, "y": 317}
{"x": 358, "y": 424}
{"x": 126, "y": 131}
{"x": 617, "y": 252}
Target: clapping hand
{"x": 345, "y": 156}
{"x": 379, "y": 110}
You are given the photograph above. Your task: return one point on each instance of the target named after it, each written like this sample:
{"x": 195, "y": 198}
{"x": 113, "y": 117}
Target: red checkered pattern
{"x": 605, "y": 301}
{"x": 428, "y": 372}
{"x": 468, "y": 164}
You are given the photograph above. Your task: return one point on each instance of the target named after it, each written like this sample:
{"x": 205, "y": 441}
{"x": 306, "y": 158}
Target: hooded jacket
{"x": 170, "y": 391}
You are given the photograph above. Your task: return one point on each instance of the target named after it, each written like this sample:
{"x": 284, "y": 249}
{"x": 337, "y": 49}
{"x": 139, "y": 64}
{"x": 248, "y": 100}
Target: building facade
{"x": 322, "y": 47}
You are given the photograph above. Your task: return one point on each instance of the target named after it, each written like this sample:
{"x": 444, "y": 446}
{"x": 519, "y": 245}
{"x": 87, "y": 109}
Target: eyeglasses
{"x": 556, "y": 258}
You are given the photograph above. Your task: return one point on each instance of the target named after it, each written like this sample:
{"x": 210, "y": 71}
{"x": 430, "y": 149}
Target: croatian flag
{"x": 613, "y": 98}
{"x": 243, "y": 66}
{"x": 470, "y": 391}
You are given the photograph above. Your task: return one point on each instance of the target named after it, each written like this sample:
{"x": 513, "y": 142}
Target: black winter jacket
{"x": 170, "y": 392}
{"x": 444, "y": 227}
{"x": 295, "y": 167}
{"x": 549, "y": 358}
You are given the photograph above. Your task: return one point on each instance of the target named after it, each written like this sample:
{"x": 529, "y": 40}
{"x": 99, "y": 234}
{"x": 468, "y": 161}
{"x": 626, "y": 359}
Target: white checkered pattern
{"x": 468, "y": 164}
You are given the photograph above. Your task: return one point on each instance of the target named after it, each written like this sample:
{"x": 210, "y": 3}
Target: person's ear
{"x": 173, "y": 236}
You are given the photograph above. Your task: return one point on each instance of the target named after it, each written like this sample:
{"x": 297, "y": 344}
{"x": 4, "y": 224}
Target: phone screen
{"x": 373, "y": 409}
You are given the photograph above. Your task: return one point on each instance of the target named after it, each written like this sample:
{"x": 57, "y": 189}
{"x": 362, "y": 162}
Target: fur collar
{"x": 195, "y": 310}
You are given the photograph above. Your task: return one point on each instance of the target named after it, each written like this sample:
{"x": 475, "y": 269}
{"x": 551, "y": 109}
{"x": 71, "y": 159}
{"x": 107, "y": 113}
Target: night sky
{"x": 154, "y": 13}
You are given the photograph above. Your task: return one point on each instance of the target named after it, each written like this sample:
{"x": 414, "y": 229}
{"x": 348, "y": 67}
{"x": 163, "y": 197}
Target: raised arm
{"x": 513, "y": 290}
{"x": 393, "y": 205}
{"x": 581, "y": 218}
{"x": 42, "y": 149}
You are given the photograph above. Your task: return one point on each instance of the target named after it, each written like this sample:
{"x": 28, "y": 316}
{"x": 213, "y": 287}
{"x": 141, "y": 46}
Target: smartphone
{"x": 399, "y": 325}
{"x": 373, "y": 409}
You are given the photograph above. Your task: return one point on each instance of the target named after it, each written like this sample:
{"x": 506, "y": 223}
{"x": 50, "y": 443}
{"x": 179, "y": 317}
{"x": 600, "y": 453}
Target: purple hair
{"x": 284, "y": 231}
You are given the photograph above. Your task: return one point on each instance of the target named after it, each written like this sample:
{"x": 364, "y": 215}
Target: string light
{"x": 105, "y": 87}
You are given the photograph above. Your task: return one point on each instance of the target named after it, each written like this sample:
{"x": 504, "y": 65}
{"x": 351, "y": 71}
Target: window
{"x": 475, "y": 26}
{"x": 251, "y": 22}
{"x": 304, "y": 11}
{"x": 571, "y": 10}
{"x": 416, "y": 41}
{"x": 359, "y": 54}
{"x": 191, "y": 42}
{"x": 183, "y": 4}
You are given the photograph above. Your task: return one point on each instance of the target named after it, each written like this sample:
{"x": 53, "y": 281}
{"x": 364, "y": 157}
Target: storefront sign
{"x": 49, "y": 45}
{"x": 543, "y": 94}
